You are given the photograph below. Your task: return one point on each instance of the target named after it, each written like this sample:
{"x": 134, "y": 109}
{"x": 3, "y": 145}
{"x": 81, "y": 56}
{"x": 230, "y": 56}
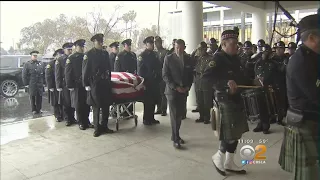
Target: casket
{"x": 127, "y": 86}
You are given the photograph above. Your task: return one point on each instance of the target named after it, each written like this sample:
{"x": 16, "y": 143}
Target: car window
{"x": 23, "y": 60}
{"x": 8, "y": 62}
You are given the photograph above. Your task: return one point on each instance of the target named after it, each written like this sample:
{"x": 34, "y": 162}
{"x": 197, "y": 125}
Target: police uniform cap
{"x": 247, "y": 45}
{"x": 261, "y": 43}
{"x": 34, "y": 53}
{"x": 114, "y": 44}
{"x": 309, "y": 22}
{"x": 149, "y": 39}
{"x": 213, "y": 41}
{"x": 157, "y": 39}
{"x": 266, "y": 48}
{"x": 229, "y": 34}
{"x": 67, "y": 45}
{"x": 127, "y": 42}
{"x": 80, "y": 42}
{"x": 280, "y": 44}
{"x": 99, "y": 37}
{"x": 58, "y": 51}
{"x": 292, "y": 45}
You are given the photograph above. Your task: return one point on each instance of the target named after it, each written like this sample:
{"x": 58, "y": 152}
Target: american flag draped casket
{"x": 127, "y": 86}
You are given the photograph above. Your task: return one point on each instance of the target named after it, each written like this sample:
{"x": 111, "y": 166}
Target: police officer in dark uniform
{"x": 280, "y": 56}
{"x": 225, "y": 74}
{"x": 51, "y": 84}
{"x": 292, "y": 47}
{"x": 73, "y": 77}
{"x": 258, "y": 54}
{"x": 64, "y": 93}
{"x": 96, "y": 77}
{"x": 213, "y": 46}
{"x": 113, "y": 54}
{"x": 254, "y": 48}
{"x": 162, "y": 101}
{"x": 126, "y": 61}
{"x": 202, "y": 86}
{"x": 300, "y": 146}
{"x": 246, "y": 61}
{"x": 149, "y": 67}
{"x": 33, "y": 76}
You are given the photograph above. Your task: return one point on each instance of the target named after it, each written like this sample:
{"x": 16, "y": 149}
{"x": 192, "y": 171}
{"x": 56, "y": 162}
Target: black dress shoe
{"x": 90, "y": 125}
{"x": 195, "y": 110}
{"x": 68, "y": 123}
{"x": 155, "y": 122}
{"x": 157, "y": 112}
{"x": 163, "y": 114}
{"x": 181, "y": 141}
{"x": 199, "y": 121}
{"x": 147, "y": 123}
{"x": 206, "y": 122}
{"x": 177, "y": 145}
{"x": 96, "y": 133}
{"x": 108, "y": 131}
{"x": 82, "y": 127}
{"x": 59, "y": 119}
{"x": 257, "y": 129}
{"x": 266, "y": 132}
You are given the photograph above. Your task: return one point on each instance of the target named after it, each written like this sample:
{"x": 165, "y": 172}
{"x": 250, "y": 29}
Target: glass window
{"x": 8, "y": 62}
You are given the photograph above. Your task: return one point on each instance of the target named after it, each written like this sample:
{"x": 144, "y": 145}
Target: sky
{"x": 16, "y": 15}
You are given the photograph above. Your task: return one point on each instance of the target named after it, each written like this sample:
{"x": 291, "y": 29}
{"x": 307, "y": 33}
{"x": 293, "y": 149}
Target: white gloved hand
{"x": 71, "y": 89}
{"x": 59, "y": 89}
{"x": 51, "y": 89}
{"x": 88, "y": 88}
{"x": 27, "y": 86}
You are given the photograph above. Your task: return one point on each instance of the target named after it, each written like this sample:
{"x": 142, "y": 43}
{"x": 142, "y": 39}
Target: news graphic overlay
{"x": 254, "y": 154}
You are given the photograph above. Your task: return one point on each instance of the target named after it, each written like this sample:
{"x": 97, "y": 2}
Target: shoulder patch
{"x": 139, "y": 58}
{"x": 85, "y": 57}
{"x": 68, "y": 61}
{"x": 57, "y": 62}
{"x": 212, "y": 64}
{"x": 48, "y": 66}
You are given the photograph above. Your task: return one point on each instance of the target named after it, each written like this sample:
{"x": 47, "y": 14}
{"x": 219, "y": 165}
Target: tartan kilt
{"x": 233, "y": 121}
{"x": 299, "y": 152}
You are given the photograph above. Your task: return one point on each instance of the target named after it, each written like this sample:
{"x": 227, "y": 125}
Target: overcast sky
{"x": 16, "y": 15}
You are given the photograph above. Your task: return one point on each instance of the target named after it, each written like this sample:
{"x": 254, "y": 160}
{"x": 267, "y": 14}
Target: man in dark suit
{"x": 177, "y": 72}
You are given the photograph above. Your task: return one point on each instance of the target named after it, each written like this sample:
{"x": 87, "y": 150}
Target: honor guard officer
{"x": 258, "y": 55}
{"x": 300, "y": 147}
{"x": 51, "y": 84}
{"x": 33, "y": 76}
{"x": 126, "y": 61}
{"x": 291, "y": 49}
{"x": 223, "y": 72}
{"x": 73, "y": 76}
{"x": 280, "y": 56}
{"x": 246, "y": 61}
{"x": 202, "y": 86}
{"x": 149, "y": 67}
{"x": 113, "y": 54}
{"x": 213, "y": 46}
{"x": 64, "y": 93}
{"x": 162, "y": 101}
{"x": 96, "y": 77}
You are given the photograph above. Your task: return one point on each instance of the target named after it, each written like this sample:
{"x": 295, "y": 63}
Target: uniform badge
{"x": 117, "y": 58}
{"x": 57, "y": 62}
{"x": 85, "y": 57}
{"x": 48, "y": 66}
{"x": 68, "y": 61}
{"x": 212, "y": 64}
{"x": 139, "y": 58}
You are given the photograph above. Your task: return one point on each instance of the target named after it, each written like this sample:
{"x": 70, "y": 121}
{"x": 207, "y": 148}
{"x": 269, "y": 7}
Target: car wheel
{"x": 9, "y": 88}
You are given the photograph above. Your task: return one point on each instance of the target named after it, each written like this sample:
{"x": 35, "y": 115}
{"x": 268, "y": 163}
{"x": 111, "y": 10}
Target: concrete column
{"x": 270, "y": 27}
{"x": 243, "y": 27}
{"x": 221, "y": 20}
{"x": 192, "y": 33}
{"x": 259, "y": 26}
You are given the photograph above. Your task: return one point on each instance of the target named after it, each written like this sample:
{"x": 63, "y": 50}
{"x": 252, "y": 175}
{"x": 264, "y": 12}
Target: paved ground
{"x": 42, "y": 149}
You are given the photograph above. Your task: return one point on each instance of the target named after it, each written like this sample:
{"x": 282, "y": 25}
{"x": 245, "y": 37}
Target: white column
{"x": 221, "y": 19}
{"x": 259, "y": 26}
{"x": 192, "y": 33}
{"x": 296, "y": 13}
{"x": 243, "y": 27}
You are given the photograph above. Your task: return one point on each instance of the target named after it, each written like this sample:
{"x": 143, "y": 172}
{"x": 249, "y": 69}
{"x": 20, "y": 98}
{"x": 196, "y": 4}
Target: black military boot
{"x": 68, "y": 123}
{"x": 82, "y": 127}
{"x": 155, "y": 122}
{"x": 107, "y": 130}
{"x": 199, "y": 120}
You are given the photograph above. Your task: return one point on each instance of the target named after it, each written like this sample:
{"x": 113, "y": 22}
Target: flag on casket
{"x": 126, "y": 85}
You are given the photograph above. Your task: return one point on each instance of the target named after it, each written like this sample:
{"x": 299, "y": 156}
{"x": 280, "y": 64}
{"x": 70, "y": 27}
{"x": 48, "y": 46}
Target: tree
{"x": 145, "y": 33}
{"x": 284, "y": 28}
{"x": 129, "y": 17}
{"x": 11, "y": 50}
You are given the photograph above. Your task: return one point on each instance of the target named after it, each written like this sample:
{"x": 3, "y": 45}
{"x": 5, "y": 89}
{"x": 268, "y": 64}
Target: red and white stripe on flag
{"x": 123, "y": 84}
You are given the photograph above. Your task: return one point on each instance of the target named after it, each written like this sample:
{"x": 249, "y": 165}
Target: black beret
{"x": 58, "y": 51}
{"x": 309, "y": 22}
{"x": 213, "y": 41}
{"x": 34, "y": 52}
{"x": 98, "y": 37}
{"x": 80, "y": 42}
{"x": 126, "y": 42}
{"x": 267, "y": 47}
{"x": 292, "y": 45}
{"x": 280, "y": 44}
{"x": 114, "y": 44}
{"x": 247, "y": 45}
{"x": 67, "y": 45}
{"x": 149, "y": 39}
{"x": 261, "y": 43}
{"x": 229, "y": 34}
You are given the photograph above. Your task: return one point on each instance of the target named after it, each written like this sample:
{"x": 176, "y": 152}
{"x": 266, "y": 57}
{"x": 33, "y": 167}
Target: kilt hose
{"x": 300, "y": 152}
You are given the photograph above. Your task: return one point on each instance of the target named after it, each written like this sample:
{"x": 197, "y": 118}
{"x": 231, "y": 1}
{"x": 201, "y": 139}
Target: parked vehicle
{"x": 11, "y": 74}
